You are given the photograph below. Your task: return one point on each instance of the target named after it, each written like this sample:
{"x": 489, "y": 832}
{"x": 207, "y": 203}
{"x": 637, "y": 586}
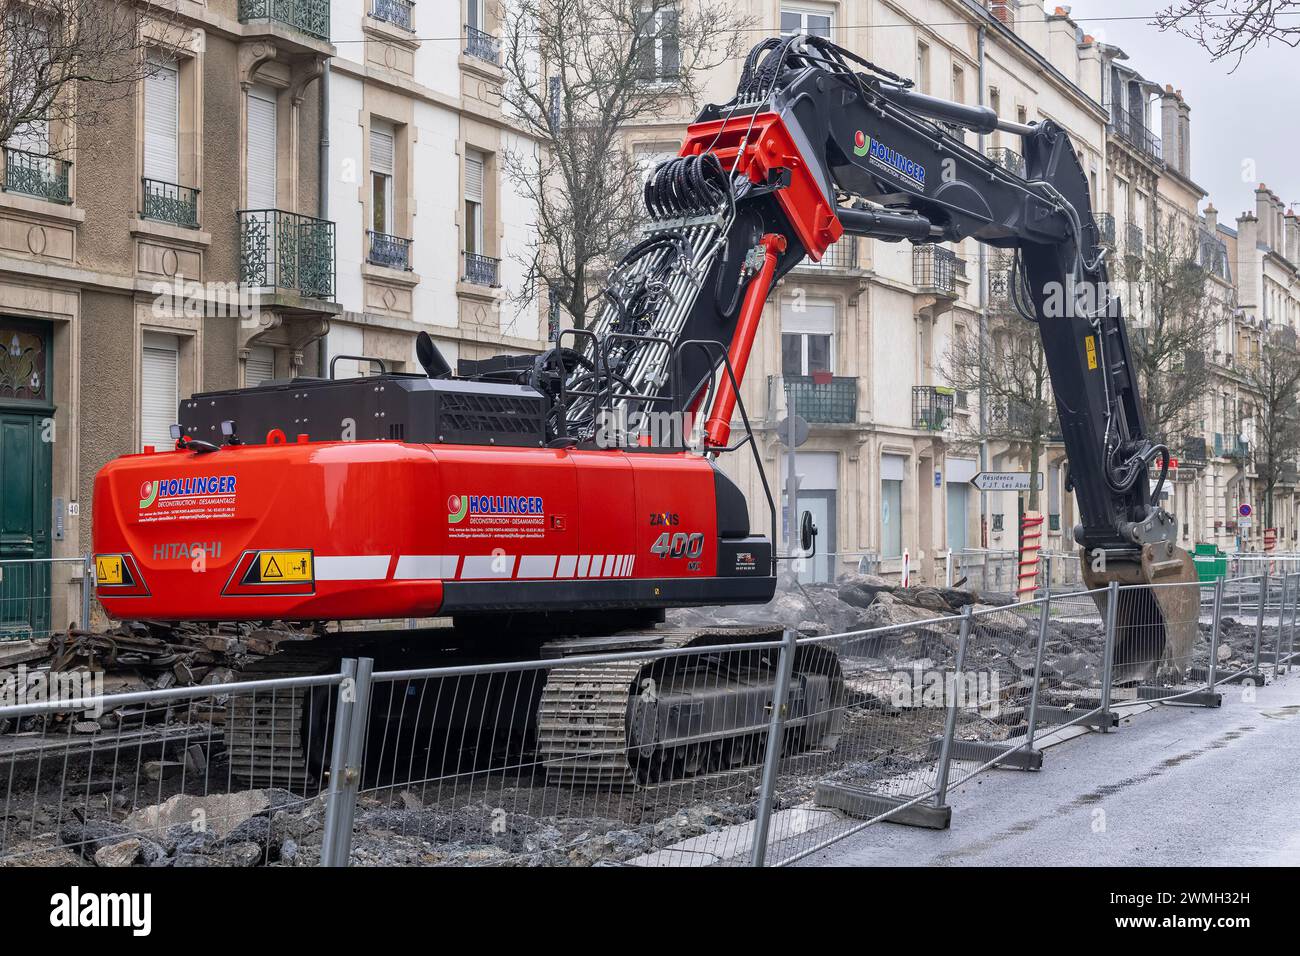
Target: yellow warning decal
{"x": 108, "y": 569}
{"x": 1090, "y": 343}
{"x": 277, "y": 566}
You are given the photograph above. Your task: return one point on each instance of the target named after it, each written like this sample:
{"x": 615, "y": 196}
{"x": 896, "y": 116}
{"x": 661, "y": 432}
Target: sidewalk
{"x": 1174, "y": 786}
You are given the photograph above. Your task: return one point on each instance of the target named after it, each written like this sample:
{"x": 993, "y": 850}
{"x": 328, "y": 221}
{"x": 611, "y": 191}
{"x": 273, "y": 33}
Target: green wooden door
{"x": 24, "y": 524}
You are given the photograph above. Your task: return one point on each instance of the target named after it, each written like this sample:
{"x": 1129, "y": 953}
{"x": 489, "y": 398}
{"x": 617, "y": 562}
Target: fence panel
{"x": 154, "y": 777}
{"x": 35, "y": 600}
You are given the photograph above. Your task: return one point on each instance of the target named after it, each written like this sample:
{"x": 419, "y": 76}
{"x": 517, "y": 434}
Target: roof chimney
{"x": 1211, "y": 219}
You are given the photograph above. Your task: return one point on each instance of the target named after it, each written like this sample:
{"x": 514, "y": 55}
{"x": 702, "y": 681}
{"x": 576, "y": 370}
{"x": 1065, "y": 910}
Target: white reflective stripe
{"x": 480, "y": 566}
{"x": 537, "y": 566}
{"x": 584, "y": 561}
{"x": 597, "y": 563}
{"x": 568, "y": 564}
{"x": 352, "y": 567}
{"x": 631, "y": 560}
{"x": 622, "y": 566}
{"x": 426, "y": 566}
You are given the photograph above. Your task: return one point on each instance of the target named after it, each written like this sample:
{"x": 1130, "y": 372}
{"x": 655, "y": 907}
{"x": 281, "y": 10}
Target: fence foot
{"x": 861, "y": 803}
{"x": 978, "y": 751}
{"x": 1203, "y": 698}
{"x": 1049, "y": 716}
{"x": 1242, "y": 677}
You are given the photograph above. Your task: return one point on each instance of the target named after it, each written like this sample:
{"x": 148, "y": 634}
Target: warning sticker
{"x": 276, "y": 566}
{"x": 108, "y": 569}
{"x": 1090, "y": 343}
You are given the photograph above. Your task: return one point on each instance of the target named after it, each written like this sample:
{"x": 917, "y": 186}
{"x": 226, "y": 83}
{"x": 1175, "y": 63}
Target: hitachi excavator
{"x": 536, "y": 500}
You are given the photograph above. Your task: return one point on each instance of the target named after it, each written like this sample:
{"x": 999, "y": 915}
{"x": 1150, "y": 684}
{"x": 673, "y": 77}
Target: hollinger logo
{"x": 861, "y": 143}
{"x": 457, "y": 508}
{"x": 148, "y": 493}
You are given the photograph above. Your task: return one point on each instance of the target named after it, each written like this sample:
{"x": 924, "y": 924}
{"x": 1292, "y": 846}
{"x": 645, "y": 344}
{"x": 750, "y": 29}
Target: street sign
{"x": 1244, "y": 523}
{"x": 1004, "y": 481}
{"x": 800, "y": 431}
{"x": 1245, "y": 511}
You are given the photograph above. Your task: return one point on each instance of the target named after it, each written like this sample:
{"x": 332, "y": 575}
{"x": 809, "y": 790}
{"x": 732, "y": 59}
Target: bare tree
{"x": 579, "y": 75}
{"x": 1009, "y": 368}
{"x": 63, "y": 61}
{"x": 1177, "y": 311}
{"x": 1229, "y": 29}
{"x": 1272, "y": 379}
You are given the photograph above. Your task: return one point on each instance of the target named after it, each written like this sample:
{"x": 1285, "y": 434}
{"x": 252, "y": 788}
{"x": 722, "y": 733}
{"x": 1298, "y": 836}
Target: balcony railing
{"x": 823, "y": 399}
{"x": 391, "y": 252}
{"x": 482, "y": 45}
{"x": 396, "y": 12}
{"x": 1008, "y": 159}
{"x": 482, "y": 270}
{"x": 1230, "y": 446}
{"x": 1105, "y": 229}
{"x": 167, "y": 202}
{"x": 33, "y": 174}
{"x": 1133, "y": 128}
{"x": 285, "y": 250}
{"x": 1193, "y": 454}
{"x": 311, "y": 17}
{"x": 840, "y": 257}
{"x": 1134, "y": 241}
{"x": 935, "y": 268}
{"x": 932, "y": 407}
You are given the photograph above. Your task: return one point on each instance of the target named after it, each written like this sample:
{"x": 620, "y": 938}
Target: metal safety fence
{"x": 755, "y": 746}
{"x": 38, "y": 598}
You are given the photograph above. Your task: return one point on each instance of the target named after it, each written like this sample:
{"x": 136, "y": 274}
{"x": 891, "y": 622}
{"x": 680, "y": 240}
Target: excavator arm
{"x": 818, "y": 143}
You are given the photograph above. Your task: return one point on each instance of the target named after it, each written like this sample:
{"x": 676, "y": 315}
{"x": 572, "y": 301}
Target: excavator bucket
{"x": 1155, "y": 626}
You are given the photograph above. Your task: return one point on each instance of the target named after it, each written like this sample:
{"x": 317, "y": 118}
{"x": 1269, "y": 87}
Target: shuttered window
{"x": 261, "y": 148}
{"x": 381, "y": 178}
{"x": 260, "y": 365}
{"x": 162, "y": 121}
{"x": 475, "y": 164}
{"x": 159, "y": 389}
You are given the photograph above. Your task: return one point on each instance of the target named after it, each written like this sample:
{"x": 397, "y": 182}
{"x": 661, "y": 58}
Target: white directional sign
{"x": 1004, "y": 480}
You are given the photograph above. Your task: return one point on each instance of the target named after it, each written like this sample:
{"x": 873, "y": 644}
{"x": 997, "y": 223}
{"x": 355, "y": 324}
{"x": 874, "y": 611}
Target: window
{"x": 893, "y": 469}
{"x": 25, "y": 64}
{"x": 660, "y": 51}
{"x": 923, "y": 68}
{"x": 381, "y": 177}
{"x": 159, "y": 389}
{"x": 474, "y": 15}
{"x": 261, "y": 153}
{"x": 807, "y": 336}
{"x": 958, "y": 85}
{"x": 162, "y": 121}
{"x": 475, "y": 165}
{"x": 259, "y": 367}
{"x": 798, "y": 18}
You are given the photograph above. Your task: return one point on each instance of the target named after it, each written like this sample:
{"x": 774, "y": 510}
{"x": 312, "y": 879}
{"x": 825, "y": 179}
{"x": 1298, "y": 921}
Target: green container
{"x": 1210, "y": 562}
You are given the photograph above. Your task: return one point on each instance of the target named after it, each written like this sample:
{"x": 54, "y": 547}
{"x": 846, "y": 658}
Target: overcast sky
{"x": 1252, "y": 114}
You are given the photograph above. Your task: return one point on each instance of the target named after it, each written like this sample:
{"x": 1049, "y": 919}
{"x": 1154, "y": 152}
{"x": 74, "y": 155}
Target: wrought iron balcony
{"x": 1008, "y": 159}
{"x": 1231, "y": 447}
{"x": 167, "y": 202}
{"x": 33, "y": 174}
{"x": 1000, "y": 300}
{"x": 1193, "y": 454}
{"x": 1105, "y": 229}
{"x": 396, "y": 12}
{"x": 482, "y": 45}
{"x": 936, "y": 269}
{"x": 1133, "y": 129}
{"x": 285, "y": 250}
{"x": 391, "y": 252}
{"x": 311, "y": 17}
{"x": 823, "y": 399}
{"x": 841, "y": 257}
{"x": 482, "y": 270}
{"x": 1134, "y": 241}
{"x": 932, "y": 407}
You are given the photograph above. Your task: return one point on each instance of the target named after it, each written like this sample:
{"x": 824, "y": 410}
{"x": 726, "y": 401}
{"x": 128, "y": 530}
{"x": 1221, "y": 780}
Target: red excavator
{"x": 561, "y": 502}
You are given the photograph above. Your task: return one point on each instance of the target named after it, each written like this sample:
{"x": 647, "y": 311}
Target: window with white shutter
{"x": 162, "y": 121}
{"x": 475, "y": 165}
{"x": 381, "y": 177}
{"x": 261, "y": 159}
{"x": 259, "y": 367}
{"x": 159, "y": 389}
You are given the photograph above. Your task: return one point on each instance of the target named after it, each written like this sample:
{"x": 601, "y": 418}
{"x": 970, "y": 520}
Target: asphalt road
{"x": 1175, "y": 786}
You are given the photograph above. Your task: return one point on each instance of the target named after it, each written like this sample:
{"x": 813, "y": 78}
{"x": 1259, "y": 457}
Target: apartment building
{"x": 856, "y": 343}
{"x": 430, "y": 231}
{"x": 121, "y": 247}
